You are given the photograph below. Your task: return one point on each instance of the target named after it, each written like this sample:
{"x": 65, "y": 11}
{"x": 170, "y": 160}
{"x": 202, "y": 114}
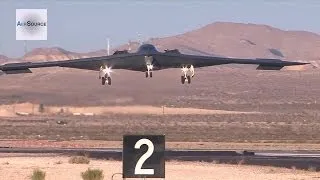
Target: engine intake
{"x": 121, "y": 52}
{"x": 175, "y": 51}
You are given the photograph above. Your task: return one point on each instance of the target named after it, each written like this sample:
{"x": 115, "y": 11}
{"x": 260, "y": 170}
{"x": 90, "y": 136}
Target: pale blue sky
{"x": 84, "y": 25}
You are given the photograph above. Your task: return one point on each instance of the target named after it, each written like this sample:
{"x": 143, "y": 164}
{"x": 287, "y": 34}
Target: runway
{"x": 296, "y": 159}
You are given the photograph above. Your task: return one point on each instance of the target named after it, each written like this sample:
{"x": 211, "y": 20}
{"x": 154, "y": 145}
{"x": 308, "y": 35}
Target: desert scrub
{"x": 58, "y": 162}
{"x": 92, "y": 174}
{"x": 79, "y": 160}
{"x": 38, "y": 175}
{"x": 312, "y": 169}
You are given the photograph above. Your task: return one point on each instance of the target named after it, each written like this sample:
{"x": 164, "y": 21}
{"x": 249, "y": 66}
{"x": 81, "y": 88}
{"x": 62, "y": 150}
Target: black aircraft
{"x": 147, "y": 59}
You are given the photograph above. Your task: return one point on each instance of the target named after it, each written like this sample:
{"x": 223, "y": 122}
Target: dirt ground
{"x": 169, "y": 145}
{"x": 221, "y": 105}
{"x": 20, "y": 168}
{"x": 237, "y": 89}
{"x": 239, "y": 128}
{"x": 29, "y": 108}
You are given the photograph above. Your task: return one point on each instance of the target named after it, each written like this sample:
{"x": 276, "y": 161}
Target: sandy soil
{"x": 169, "y": 145}
{"x": 20, "y": 168}
{"x": 240, "y": 128}
{"x": 29, "y": 108}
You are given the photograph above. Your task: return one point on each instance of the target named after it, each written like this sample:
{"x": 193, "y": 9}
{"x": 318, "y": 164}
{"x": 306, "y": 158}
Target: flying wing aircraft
{"x": 147, "y": 59}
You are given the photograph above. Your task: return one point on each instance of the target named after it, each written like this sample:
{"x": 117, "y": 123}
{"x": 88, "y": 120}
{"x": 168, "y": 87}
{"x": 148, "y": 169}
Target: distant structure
{"x": 139, "y": 39}
{"x": 108, "y": 46}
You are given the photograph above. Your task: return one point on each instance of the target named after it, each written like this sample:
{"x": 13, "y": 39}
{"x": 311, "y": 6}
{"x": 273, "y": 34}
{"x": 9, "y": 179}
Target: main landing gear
{"x": 149, "y": 71}
{"x": 149, "y": 61}
{"x": 187, "y": 74}
{"x": 105, "y": 75}
{"x": 105, "y": 80}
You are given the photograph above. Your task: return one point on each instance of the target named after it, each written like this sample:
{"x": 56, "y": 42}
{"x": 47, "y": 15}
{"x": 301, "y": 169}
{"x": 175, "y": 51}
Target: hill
{"x": 219, "y": 38}
{"x": 3, "y": 59}
{"x": 212, "y": 86}
{"x": 49, "y": 54}
{"x": 248, "y": 40}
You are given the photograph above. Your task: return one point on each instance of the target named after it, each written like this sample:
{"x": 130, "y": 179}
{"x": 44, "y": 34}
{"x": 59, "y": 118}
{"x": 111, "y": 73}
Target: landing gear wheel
{"x": 147, "y": 75}
{"x": 151, "y": 74}
{"x": 109, "y": 80}
{"x": 183, "y": 79}
{"x": 189, "y": 79}
{"x": 103, "y": 81}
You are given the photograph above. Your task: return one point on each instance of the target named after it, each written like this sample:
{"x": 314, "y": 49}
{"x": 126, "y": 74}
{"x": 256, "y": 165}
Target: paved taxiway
{"x": 297, "y": 159}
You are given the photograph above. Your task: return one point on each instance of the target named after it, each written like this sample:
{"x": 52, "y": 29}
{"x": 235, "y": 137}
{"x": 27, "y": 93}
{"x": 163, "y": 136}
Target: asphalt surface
{"x": 297, "y": 159}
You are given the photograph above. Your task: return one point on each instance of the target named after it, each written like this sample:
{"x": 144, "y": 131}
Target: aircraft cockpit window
{"x": 147, "y": 47}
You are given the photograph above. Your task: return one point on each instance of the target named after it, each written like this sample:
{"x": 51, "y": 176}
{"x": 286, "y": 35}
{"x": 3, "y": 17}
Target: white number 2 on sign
{"x": 144, "y": 157}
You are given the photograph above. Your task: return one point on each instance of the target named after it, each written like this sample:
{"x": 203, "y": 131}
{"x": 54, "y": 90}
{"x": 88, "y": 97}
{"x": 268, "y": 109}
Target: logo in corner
{"x": 31, "y": 24}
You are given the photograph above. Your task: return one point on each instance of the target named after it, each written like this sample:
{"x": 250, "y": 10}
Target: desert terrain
{"x": 221, "y": 105}
{"x": 230, "y": 107}
{"x": 20, "y": 168}
{"x": 225, "y": 104}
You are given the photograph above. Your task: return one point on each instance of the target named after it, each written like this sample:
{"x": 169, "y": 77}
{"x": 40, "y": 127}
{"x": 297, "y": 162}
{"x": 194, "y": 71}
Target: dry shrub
{"x": 312, "y": 169}
{"x": 241, "y": 162}
{"x": 79, "y": 160}
{"x": 38, "y": 175}
{"x": 215, "y": 162}
{"x": 58, "y": 162}
{"x": 92, "y": 174}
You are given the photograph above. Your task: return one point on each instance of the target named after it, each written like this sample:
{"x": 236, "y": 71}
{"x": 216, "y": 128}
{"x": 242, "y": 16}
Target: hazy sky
{"x": 84, "y": 25}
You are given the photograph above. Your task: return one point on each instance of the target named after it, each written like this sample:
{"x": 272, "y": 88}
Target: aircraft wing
{"x": 136, "y": 61}
{"x": 171, "y": 60}
{"x": 119, "y": 61}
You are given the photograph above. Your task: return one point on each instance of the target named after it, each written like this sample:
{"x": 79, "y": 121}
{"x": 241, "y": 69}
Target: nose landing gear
{"x": 105, "y": 75}
{"x": 187, "y": 77}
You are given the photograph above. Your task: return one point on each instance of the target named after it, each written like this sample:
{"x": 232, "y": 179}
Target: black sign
{"x": 143, "y": 156}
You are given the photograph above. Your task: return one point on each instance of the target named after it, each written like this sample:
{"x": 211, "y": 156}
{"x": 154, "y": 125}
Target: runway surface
{"x": 297, "y": 159}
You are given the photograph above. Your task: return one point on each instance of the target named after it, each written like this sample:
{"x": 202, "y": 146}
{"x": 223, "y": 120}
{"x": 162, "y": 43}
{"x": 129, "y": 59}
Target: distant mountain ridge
{"x": 3, "y": 58}
{"x": 249, "y": 40}
{"x": 217, "y": 87}
{"x": 219, "y": 38}
{"x": 50, "y": 54}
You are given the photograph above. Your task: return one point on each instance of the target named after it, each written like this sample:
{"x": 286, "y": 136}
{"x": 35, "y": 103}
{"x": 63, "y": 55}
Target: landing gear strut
{"x": 106, "y": 80}
{"x": 149, "y": 71}
{"x": 149, "y": 60}
{"x": 104, "y": 75}
{"x": 149, "y": 74}
{"x": 187, "y": 77}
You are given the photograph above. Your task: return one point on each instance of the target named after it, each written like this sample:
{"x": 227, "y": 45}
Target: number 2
{"x": 144, "y": 157}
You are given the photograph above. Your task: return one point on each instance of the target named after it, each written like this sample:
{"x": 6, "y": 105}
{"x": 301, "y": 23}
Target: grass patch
{"x": 38, "y": 175}
{"x": 79, "y": 160}
{"x": 215, "y": 162}
{"x": 92, "y": 174}
{"x": 312, "y": 169}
